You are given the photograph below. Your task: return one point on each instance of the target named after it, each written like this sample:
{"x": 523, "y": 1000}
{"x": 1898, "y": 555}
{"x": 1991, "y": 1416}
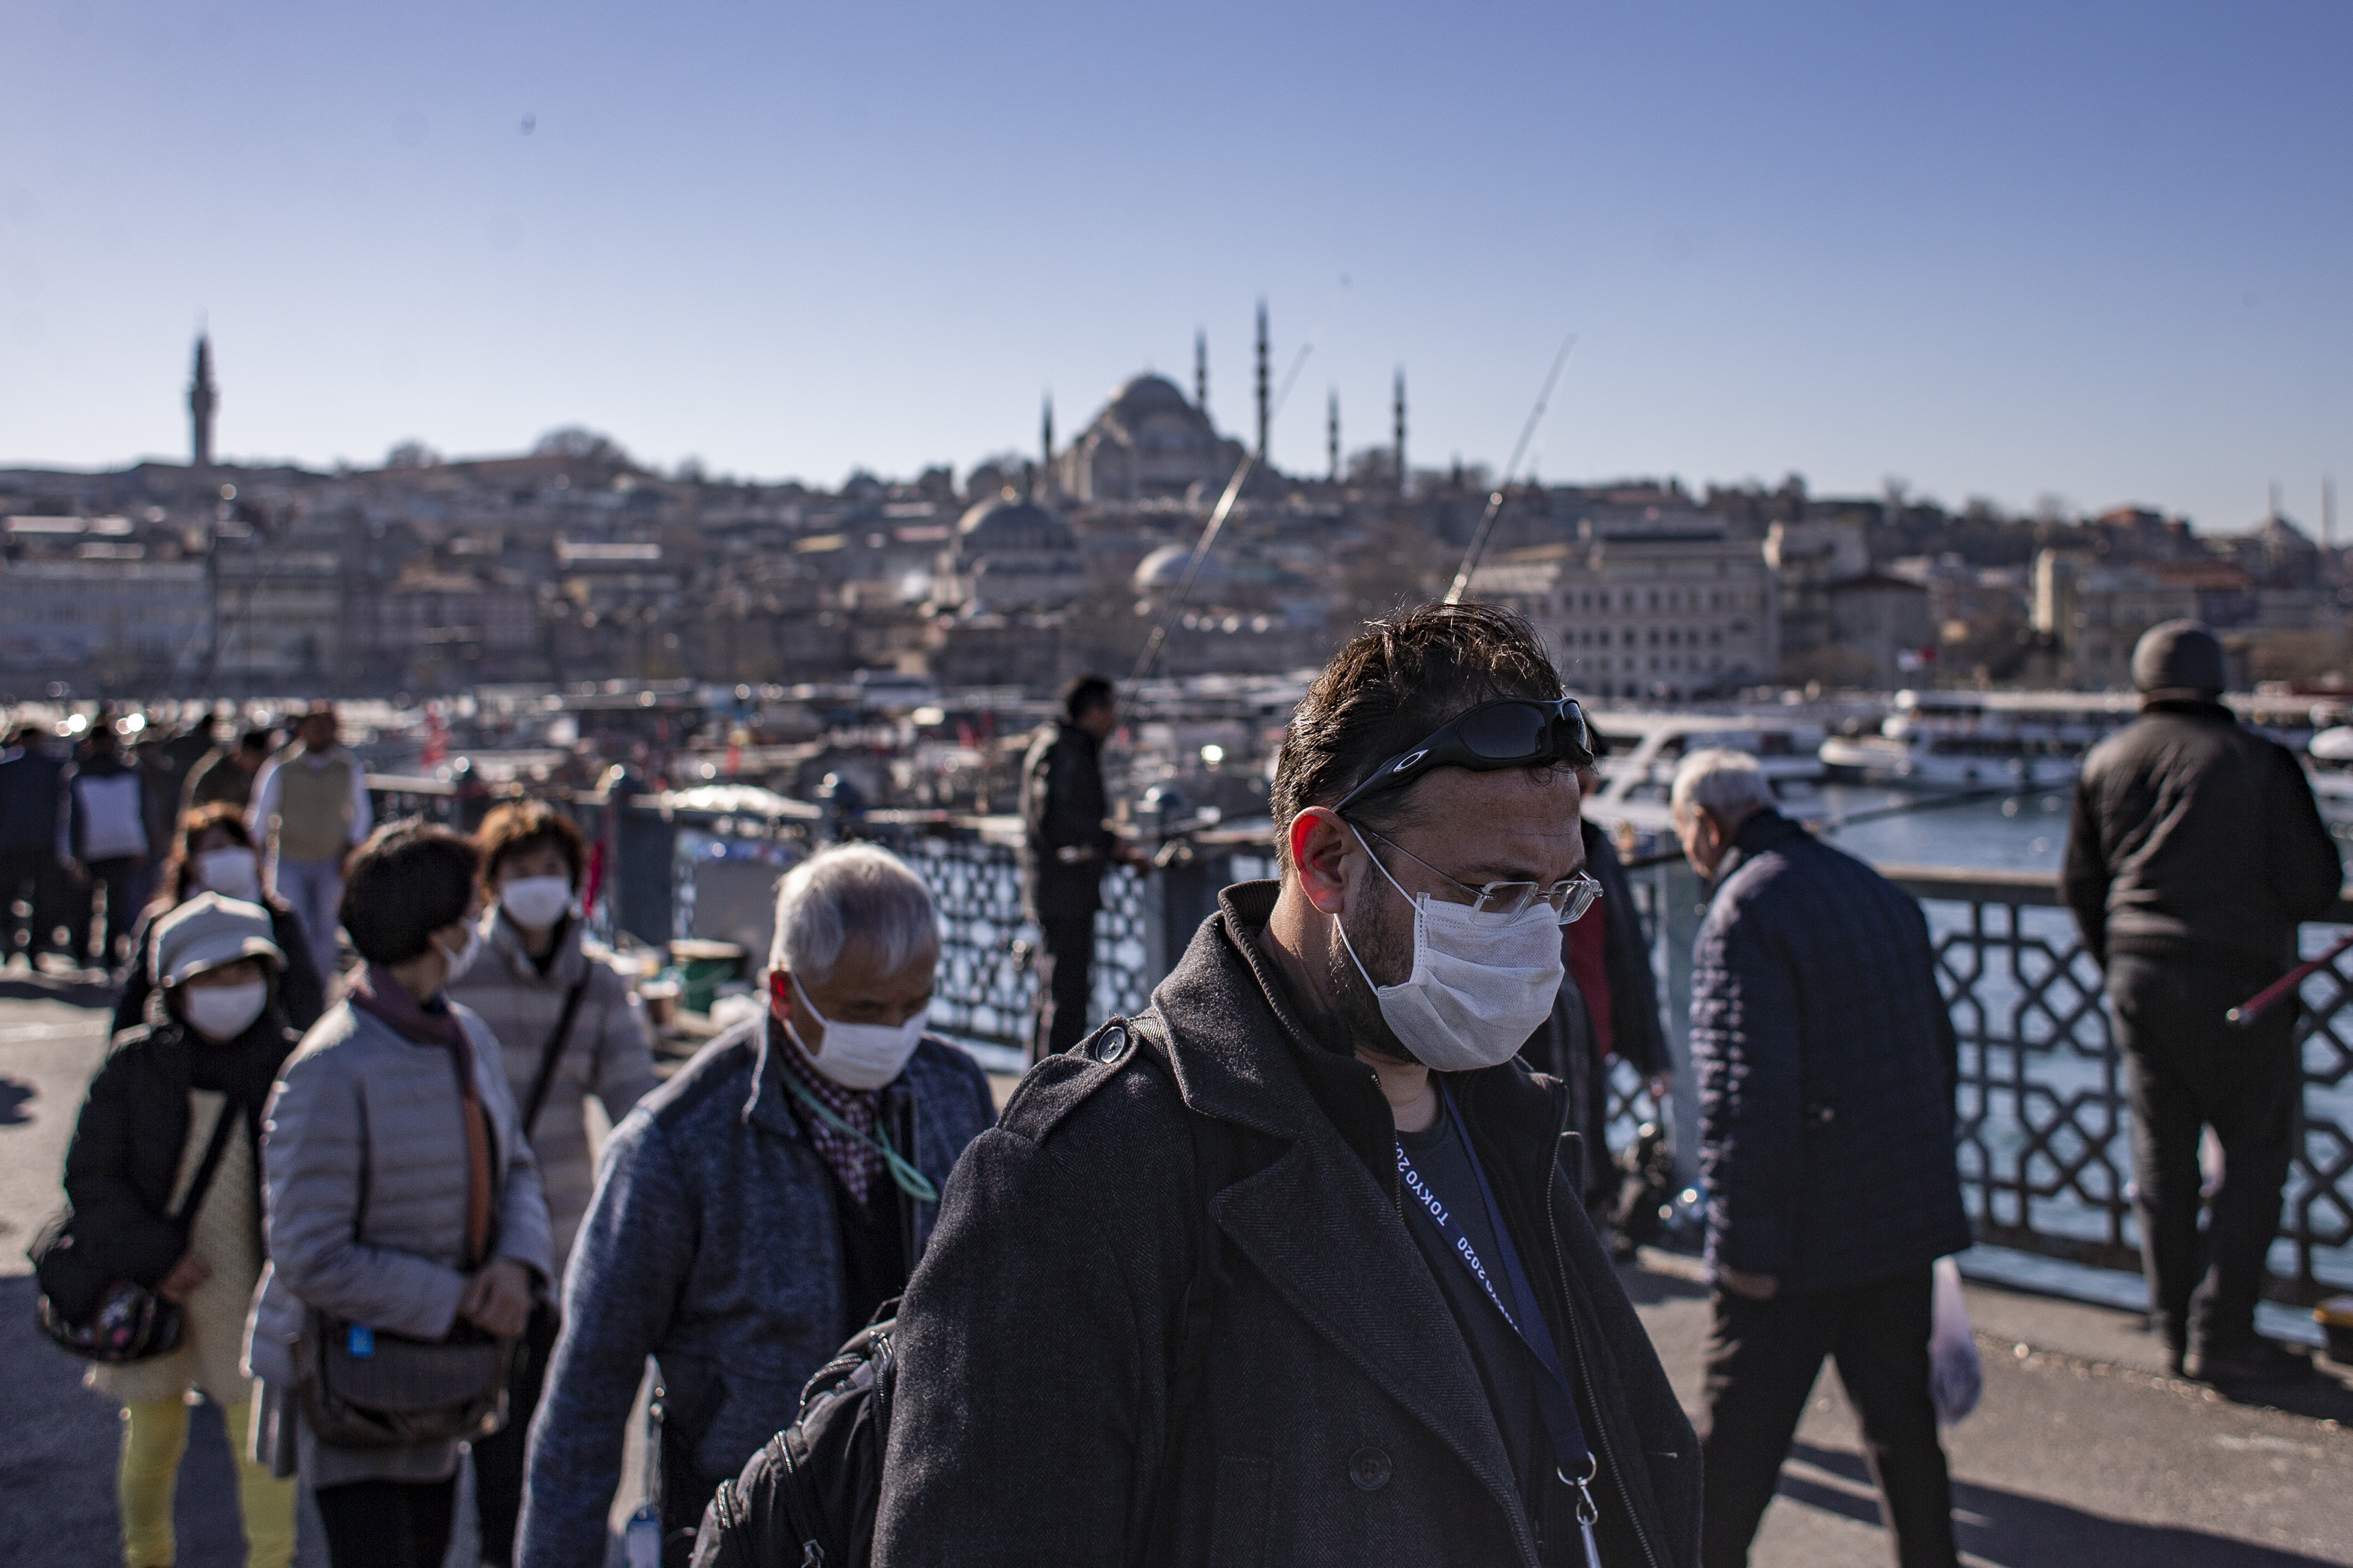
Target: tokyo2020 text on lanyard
{"x": 1574, "y": 1462}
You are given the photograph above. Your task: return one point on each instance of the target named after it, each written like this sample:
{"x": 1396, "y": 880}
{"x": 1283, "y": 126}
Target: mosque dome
{"x": 1163, "y": 569}
{"x": 1004, "y": 525}
{"x": 1149, "y": 394}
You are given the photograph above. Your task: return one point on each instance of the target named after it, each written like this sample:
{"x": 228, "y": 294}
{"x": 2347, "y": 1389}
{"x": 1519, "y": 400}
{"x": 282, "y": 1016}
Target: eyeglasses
{"x": 1514, "y": 732}
{"x": 1570, "y": 897}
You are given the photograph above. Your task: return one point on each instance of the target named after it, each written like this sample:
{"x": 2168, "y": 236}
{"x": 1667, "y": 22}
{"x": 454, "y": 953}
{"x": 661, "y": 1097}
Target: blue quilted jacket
{"x": 1827, "y": 1065}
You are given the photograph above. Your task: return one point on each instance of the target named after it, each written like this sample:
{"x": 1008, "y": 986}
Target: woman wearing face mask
{"x": 568, "y": 1028}
{"x": 213, "y": 1046}
{"x": 405, "y": 1208}
{"x": 215, "y": 854}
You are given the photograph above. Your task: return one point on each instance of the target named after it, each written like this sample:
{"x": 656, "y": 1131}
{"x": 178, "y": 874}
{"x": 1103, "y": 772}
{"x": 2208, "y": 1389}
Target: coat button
{"x": 1110, "y": 1045}
{"x": 1369, "y": 1469}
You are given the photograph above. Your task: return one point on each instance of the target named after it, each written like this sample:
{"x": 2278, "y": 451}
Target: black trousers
{"x": 2187, "y": 1070}
{"x": 388, "y": 1524}
{"x": 1762, "y": 1359}
{"x": 499, "y": 1459}
{"x": 119, "y": 877}
{"x": 1066, "y": 962}
{"x": 33, "y": 876}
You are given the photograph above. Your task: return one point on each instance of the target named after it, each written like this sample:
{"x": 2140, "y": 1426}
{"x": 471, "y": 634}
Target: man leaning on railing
{"x": 2194, "y": 852}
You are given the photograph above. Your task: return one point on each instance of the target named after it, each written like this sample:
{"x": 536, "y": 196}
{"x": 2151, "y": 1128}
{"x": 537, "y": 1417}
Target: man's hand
{"x": 184, "y": 1277}
{"x": 1756, "y": 1287}
{"x": 76, "y": 872}
{"x": 497, "y": 1299}
{"x": 1658, "y": 1086}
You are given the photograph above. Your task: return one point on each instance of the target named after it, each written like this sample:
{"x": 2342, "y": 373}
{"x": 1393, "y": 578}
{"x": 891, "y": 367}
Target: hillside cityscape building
{"x": 572, "y": 563}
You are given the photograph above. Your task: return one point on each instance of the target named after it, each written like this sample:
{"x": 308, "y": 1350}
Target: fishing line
{"x": 1496, "y": 501}
{"x": 1201, "y": 547}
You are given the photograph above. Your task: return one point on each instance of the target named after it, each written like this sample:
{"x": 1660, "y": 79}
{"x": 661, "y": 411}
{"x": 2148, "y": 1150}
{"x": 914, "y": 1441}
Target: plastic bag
{"x": 1954, "y": 1376}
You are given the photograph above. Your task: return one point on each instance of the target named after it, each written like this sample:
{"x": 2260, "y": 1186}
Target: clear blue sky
{"x": 2103, "y": 251}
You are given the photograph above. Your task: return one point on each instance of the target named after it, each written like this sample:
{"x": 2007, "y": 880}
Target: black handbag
{"x": 87, "y": 1311}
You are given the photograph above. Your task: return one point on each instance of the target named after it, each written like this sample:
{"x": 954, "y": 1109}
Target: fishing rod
{"x": 2245, "y": 1014}
{"x": 1876, "y": 814}
{"x": 1201, "y": 547}
{"x": 1496, "y": 501}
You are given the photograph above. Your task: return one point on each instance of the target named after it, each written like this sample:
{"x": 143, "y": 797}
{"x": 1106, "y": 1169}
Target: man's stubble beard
{"x": 1383, "y": 939}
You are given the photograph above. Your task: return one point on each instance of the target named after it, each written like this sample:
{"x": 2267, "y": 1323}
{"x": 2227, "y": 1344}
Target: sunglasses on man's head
{"x": 1511, "y": 732}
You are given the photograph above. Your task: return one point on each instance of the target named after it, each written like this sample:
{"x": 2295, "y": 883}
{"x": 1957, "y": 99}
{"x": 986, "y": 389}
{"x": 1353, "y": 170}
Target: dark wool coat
{"x": 1826, "y": 1063}
{"x": 124, "y": 1159}
{"x": 1065, "y": 847}
{"x": 1342, "y": 1420}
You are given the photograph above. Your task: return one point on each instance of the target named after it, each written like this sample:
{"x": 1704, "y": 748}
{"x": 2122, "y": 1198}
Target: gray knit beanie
{"x": 2179, "y": 658}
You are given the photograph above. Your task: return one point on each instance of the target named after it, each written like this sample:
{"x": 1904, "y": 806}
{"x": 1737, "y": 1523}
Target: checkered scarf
{"x": 859, "y": 1164}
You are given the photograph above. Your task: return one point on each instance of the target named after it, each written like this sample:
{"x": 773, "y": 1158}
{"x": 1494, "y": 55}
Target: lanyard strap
{"x": 910, "y": 1180}
{"x": 1572, "y": 1458}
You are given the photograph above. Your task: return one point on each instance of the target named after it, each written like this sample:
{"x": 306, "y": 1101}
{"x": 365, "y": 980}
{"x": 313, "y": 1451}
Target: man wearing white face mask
{"x": 752, "y": 1213}
{"x": 1289, "y": 1269}
{"x": 568, "y": 1028}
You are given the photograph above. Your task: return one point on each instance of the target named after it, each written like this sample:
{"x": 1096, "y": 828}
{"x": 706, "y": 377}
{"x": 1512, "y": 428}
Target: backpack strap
{"x": 1216, "y": 1165}
{"x": 552, "y": 1052}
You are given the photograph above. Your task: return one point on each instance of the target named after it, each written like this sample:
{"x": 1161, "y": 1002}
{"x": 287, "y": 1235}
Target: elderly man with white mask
{"x": 753, "y": 1212}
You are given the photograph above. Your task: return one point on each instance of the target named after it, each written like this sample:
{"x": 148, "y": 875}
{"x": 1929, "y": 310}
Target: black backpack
{"x": 808, "y": 1499}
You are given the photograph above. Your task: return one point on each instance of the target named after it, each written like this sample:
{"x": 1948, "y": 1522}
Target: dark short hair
{"x": 409, "y": 879}
{"x": 1085, "y": 694}
{"x": 254, "y": 741}
{"x": 519, "y": 826}
{"x": 1395, "y": 682}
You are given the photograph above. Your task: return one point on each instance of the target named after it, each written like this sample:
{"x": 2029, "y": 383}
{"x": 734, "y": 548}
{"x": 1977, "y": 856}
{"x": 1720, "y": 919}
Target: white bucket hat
{"x": 209, "y": 931}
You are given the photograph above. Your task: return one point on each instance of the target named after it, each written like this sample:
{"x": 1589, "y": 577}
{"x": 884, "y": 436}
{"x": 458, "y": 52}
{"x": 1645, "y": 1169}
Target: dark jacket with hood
{"x": 1340, "y": 1419}
{"x": 1827, "y": 1066}
{"x": 1065, "y": 847}
{"x": 2195, "y": 840}
{"x": 124, "y": 1159}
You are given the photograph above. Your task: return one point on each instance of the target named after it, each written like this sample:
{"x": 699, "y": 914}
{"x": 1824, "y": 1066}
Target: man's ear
{"x": 1320, "y": 845}
{"x": 780, "y": 993}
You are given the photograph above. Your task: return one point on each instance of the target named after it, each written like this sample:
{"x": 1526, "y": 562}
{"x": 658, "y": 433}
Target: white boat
{"x": 1647, "y": 746}
{"x": 2328, "y": 762}
{"x": 1969, "y": 740}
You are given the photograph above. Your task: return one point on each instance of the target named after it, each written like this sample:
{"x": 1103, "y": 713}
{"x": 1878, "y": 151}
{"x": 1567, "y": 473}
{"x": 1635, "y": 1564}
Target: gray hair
{"x": 846, "y": 890}
{"x": 1726, "y": 783}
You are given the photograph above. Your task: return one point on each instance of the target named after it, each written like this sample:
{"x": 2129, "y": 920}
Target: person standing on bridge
{"x": 568, "y": 1028}
{"x": 753, "y": 1212}
{"x": 180, "y": 1095}
{"x": 1827, "y": 1067}
{"x": 32, "y": 843}
{"x": 226, "y": 773}
{"x": 1288, "y": 1270}
{"x": 2194, "y": 851}
{"x": 1066, "y": 846}
{"x": 309, "y": 807}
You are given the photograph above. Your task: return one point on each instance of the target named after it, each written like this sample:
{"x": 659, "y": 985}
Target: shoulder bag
{"x": 87, "y": 1314}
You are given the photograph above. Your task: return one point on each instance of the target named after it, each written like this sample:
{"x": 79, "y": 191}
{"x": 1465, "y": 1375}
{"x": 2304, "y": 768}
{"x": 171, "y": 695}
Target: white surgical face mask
{"x": 233, "y": 873}
{"x": 536, "y": 903}
{"x": 223, "y": 1012}
{"x": 463, "y": 959}
{"x": 859, "y": 1056}
{"x": 1481, "y": 982}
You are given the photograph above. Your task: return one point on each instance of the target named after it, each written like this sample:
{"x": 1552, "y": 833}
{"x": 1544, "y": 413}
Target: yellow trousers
{"x": 154, "y": 1435}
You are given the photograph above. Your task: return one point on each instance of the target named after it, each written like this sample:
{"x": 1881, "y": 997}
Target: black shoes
{"x": 2258, "y": 1360}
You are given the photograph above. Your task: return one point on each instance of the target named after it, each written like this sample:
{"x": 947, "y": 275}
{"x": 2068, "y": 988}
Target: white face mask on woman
{"x": 1481, "y": 982}
{"x": 536, "y": 903}
{"x": 859, "y": 1056}
{"x": 233, "y": 873}
{"x": 223, "y": 1012}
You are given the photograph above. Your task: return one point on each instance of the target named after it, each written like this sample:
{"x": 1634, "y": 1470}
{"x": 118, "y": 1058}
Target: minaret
{"x": 1331, "y": 432}
{"x": 1401, "y": 484}
{"x": 1046, "y": 433}
{"x": 1263, "y": 389}
{"x": 203, "y": 398}
{"x": 1201, "y": 369}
